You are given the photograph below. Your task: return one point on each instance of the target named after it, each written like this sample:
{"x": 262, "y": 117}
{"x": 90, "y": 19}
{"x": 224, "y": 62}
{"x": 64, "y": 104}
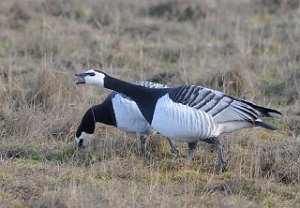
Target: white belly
{"x": 181, "y": 122}
{"x": 128, "y": 116}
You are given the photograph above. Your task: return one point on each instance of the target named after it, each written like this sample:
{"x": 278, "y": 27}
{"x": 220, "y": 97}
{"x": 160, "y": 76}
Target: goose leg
{"x": 143, "y": 144}
{"x": 174, "y": 149}
{"x": 192, "y": 147}
{"x": 221, "y": 166}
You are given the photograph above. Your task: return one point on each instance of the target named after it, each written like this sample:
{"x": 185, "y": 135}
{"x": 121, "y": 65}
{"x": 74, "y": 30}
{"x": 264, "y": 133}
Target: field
{"x": 248, "y": 49}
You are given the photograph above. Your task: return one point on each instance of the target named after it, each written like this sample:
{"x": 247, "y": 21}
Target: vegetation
{"x": 249, "y": 49}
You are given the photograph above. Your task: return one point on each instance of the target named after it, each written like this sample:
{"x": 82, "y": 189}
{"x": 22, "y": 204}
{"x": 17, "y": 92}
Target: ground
{"x": 247, "y": 49}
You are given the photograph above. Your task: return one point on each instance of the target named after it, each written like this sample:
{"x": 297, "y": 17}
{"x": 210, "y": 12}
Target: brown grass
{"x": 248, "y": 49}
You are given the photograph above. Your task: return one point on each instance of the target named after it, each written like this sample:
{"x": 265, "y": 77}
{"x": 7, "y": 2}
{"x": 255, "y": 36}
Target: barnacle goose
{"x": 122, "y": 112}
{"x": 188, "y": 113}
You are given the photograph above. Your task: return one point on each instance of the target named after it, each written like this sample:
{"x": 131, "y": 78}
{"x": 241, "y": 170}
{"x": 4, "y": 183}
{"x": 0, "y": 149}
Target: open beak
{"x": 80, "y": 78}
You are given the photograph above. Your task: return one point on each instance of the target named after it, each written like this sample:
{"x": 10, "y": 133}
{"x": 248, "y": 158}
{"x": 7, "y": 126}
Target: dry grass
{"x": 248, "y": 49}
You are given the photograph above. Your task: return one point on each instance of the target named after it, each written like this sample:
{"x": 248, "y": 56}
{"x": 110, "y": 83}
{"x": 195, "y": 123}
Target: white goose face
{"x": 92, "y": 77}
{"x": 83, "y": 139}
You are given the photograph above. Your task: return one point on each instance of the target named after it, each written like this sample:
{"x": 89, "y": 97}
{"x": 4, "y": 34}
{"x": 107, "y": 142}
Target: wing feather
{"x": 221, "y": 107}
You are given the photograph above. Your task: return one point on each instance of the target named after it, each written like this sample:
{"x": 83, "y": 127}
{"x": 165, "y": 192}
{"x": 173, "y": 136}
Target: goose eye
{"x": 92, "y": 74}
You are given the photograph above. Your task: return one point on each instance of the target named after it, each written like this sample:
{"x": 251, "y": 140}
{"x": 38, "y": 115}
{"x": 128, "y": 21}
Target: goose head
{"x": 86, "y": 128}
{"x": 92, "y": 77}
{"x": 82, "y": 139}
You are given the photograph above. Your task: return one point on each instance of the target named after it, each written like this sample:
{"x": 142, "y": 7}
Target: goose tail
{"x": 265, "y": 112}
{"x": 260, "y": 123}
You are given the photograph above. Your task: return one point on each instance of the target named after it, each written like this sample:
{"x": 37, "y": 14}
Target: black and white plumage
{"x": 120, "y": 111}
{"x": 188, "y": 113}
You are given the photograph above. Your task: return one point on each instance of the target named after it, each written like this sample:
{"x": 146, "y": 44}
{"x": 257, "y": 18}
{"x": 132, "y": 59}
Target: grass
{"x": 248, "y": 49}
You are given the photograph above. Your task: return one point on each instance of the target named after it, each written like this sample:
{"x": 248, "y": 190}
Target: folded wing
{"x": 223, "y": 108}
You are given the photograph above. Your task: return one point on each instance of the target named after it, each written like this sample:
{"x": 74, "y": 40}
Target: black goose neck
{"x": 136, "y": 92}
{"x": 119, "y": 85}
{"x": 102, "y": 113}
{"x": 144, "y": 97}
{"x": 87, "y": 124}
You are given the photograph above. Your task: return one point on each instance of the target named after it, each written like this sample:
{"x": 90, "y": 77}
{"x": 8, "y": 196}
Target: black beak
{"x": 81, "y": 78}
{"x": 80, "y": 143}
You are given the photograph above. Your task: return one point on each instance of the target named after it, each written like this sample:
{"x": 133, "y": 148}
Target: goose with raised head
{"x": 188, "y": 113}
{"x": 119, "y": 111}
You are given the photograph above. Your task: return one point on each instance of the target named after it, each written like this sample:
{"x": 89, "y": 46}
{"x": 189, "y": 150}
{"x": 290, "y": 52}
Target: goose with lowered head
{"x": 123, "y": 113}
